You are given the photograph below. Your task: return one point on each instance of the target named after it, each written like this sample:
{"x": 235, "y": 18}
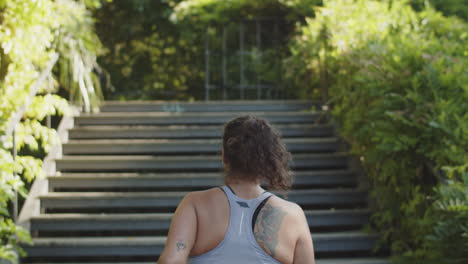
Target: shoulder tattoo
{"x": 267, "y": 227}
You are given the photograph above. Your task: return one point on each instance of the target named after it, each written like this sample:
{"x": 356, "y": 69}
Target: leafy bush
{"x": 147, "y": 57}
{"x": 206, "y": 12}
{"x": 398, "y": 88}
{"x": 447, "y": 7}
{"x": 449, "y": 220}
{"x": 30, "y": 33}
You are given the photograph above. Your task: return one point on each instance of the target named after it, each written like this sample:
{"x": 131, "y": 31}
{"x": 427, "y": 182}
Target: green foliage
{"x": 75, "y": 38}
{"x": 31, "y": 134}
{"x": 260, "y": 66}
{"x": 147, "y": 57}
{"x": 93, "y": 4}
{"x": 11, "y": 182}
{"x": 49, "y": 104}
{"x": 447, "y": 7}
{"x": 449, "y": 217}
{"x": 10, "y": 236}
{"x": 398, "y": 87}
{"x": 19, "y": 58}
{"x": 208, "y": 12}
{"x": 31, "y": 32}
{"x": 158, "y": 52}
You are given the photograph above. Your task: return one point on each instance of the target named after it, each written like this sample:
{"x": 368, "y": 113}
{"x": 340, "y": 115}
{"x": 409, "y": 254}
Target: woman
{"x": 241, "y": 222}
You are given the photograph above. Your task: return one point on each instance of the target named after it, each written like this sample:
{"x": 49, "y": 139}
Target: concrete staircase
{"x": 125, "y": 169}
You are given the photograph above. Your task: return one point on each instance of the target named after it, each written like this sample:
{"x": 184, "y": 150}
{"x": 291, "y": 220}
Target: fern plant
{"x": 449, "y": 236}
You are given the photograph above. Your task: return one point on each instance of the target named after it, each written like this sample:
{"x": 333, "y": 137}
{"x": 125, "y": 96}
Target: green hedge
{"x": 398, "y": 84}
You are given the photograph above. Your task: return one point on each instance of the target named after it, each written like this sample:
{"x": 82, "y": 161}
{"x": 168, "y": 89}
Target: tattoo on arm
{"x": 267, "y": 227}
{"x": 180, "y": 245}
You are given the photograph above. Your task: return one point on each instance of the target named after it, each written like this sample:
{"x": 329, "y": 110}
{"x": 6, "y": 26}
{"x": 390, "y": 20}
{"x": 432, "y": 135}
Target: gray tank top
{"x": 239, "y": 244}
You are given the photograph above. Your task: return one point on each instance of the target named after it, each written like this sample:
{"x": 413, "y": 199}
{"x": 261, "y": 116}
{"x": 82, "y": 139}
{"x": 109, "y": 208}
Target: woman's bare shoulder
{"x": 205, "y": 197}
{"x": 290, "y": 208}
{"x": 293, "y": 213}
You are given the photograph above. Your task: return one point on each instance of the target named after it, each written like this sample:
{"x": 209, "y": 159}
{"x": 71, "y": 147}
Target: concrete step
{"x": 153, "y": 246}
{"x": 211, "y": 106}
{"x": 317, "y": 261}
{"x": 134, "y": 181}
{"x": 192, "y": 132}
{"x": 354, "y": 261}
{"x": 154, "y": 118}
{"x": 199, "y": 146}
{"x": 185, "y": 163}
{"x": 160, "y": 221}
{"x": 166, "y": 201}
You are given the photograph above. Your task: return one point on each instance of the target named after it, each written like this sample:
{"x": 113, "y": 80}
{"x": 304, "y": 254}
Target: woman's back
{"x": 244, "y": 224}
{"x": 278, "y": 226}
{"x": 237, "y": 244}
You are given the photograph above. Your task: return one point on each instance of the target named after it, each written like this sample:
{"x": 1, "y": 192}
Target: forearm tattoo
{"x": 180, "y": 245}
{"x": 267, "y": 227}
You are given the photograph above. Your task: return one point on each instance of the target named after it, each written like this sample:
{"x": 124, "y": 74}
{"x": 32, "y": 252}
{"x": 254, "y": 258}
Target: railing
{"x": 11, "y": 127}
{"x": 273, "y": 31}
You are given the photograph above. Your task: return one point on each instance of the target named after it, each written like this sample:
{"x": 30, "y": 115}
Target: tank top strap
{"x": 229, "y": 193}
{"x": 250, "y": 204}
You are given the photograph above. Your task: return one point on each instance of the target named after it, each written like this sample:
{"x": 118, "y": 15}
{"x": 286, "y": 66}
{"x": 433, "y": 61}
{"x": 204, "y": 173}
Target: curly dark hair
{"x": 253, "y": 150}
